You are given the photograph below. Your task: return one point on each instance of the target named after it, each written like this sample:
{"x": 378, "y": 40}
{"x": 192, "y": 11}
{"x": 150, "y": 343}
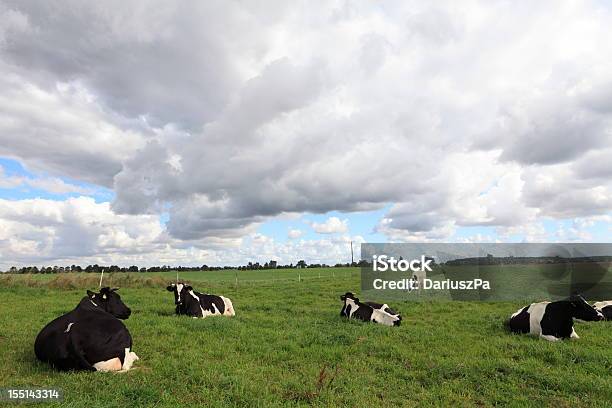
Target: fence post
{"x": 333, "y": 274}
{"x": 299, "y": 277}
{"x": 236, "y": 279}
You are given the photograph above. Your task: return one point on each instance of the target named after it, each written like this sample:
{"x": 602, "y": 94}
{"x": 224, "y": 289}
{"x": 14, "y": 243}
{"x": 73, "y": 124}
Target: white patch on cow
{"x": 229, "y": 307}
{"x": 68, "y": 328}
{"x": 92, "y": 302}
{"x": 574, "y": 335}
{"x": 216, "y": 309}
{"x": 419, "y": 277}
{"x": 516, "y": 313}
{"x": 550, "y": 338}
{"x": 204, "y": 313}
{"x": 382, "y": 317}
{"x": 129, "y": 359}
{"x": 114, "y": 364}
{"x": 179, "y": 289}
{"x": 536, "y": 312}
{"x": 350, "y": 302}
{"x": 600, "y": 305}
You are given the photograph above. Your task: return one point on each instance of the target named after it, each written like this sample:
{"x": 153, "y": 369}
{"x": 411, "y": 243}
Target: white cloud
{"x": 333, "y": 225}
{"x": 81, "y": 231}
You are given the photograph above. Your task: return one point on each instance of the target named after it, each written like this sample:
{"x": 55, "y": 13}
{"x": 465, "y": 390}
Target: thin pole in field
{"x": 352, "y": 253}
{"x": 101, "y": 275}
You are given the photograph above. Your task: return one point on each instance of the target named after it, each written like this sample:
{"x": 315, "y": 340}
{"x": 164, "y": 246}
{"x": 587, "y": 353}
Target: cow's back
{"x": 51, "y": 344}
{"x": 605, "y": 308}
{"x": 212, "y": 303}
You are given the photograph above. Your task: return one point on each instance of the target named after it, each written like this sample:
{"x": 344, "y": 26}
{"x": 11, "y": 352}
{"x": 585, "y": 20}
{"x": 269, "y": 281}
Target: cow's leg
{"x": 574, "y": 335}
{"x": 549, "y": 337}
{"x": 129, "y": 359}
{"x": 114, "y": 364}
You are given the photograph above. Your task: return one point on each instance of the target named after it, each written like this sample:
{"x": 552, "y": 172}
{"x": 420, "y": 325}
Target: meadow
{"x": 288, "y": 346}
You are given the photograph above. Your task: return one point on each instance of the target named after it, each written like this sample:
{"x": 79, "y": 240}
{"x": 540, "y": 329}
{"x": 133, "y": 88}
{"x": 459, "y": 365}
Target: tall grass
{"x": 83, "y": 281}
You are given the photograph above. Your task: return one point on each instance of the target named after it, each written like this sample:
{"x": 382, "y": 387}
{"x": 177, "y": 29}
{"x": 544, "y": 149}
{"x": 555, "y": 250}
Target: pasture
{"x": 288, "y": 346}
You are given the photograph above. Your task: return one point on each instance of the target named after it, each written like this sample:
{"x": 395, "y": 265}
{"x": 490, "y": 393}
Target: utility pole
{"x": 351, "y": 253}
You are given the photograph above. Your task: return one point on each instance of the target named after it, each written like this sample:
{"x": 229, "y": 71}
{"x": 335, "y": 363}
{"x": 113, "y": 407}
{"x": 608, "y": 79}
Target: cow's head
{"x": 582, "y": 310}
{"x": 350, "y": 297}
{"x": 109, "y": 300}
{"x": 180, "y": 291}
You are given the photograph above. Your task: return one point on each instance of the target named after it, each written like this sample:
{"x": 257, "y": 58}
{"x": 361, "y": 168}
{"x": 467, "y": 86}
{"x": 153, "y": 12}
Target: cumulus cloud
{"x": 79, "y": 230}
{"x": 492, "y": 114}
{"x": 333, "y": 225}
{"x": 38, "y": 230}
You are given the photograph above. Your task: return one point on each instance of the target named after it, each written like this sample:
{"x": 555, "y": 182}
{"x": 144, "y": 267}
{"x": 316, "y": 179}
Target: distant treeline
{"x": 522, "y": 260}
{"x": 114, "y": 268}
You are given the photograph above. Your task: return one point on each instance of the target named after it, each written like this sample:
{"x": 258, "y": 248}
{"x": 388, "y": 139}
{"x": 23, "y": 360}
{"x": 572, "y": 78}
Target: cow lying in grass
{"x": 553, "y": 321}
{"x": 605, "y": 308}
{"x": 369, "y": 311}
{"x": 191, "y": 303}
{"x": 90, "y": 337}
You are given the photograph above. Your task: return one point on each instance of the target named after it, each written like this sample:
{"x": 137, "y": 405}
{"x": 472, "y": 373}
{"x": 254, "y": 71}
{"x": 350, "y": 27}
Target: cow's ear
{"x": 342, "y": 297}
{"x": 188, "y": 288}
{"x": 170, "y": 288}
{"x": 356, "y": 299}
{"x": 91, "y": 294}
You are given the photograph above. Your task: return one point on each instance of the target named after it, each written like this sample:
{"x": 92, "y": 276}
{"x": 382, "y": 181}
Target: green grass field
{"x": 288, "y": 346}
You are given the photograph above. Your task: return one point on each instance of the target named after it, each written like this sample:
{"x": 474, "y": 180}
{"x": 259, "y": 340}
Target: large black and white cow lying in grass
{"x": 553, "y": 320}
{"x": 90, "y": 337}
{"x": 369, "y": 311}
{"x": 605, "y": 308}
{"x": 191, "y": 303}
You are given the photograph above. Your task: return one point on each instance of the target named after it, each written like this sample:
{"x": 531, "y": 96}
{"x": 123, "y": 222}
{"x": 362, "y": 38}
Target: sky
{"x": 221, "y": 133}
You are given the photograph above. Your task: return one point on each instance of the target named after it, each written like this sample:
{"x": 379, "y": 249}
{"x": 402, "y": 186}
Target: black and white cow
{"x": 191, "y": 303}
{"x": 553, "y": 321}
{"x": 605, "y": 308}
{"x": 369, "y": 311}
{"x": 90, "y": 337}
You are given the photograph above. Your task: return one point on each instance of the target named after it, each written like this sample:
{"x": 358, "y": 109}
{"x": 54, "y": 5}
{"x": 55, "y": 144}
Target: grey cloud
{"x": 131, "y": 54}
{"x": 555, "y": 135}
